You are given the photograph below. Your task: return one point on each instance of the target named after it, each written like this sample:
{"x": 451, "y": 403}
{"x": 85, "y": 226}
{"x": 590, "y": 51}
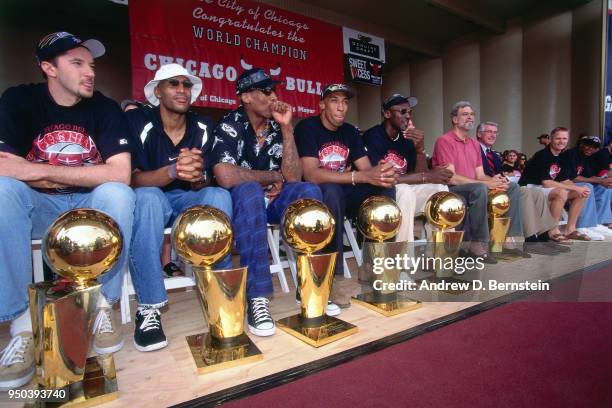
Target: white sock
{"x": 102, "y": 302}
{"x": 22, "y": 324}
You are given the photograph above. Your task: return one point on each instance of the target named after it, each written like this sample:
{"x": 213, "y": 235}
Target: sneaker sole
{"x": 262, "y": 332}
{"x": 151, "y": 347}
{"x": 17, "y": 382}
{"x": 109, "y": 350}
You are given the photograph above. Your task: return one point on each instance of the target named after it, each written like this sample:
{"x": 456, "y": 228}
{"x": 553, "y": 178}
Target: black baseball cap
{"x": 397, "y": 99}
{"x": 56, "y": 43}
{"x": 590, "y": 140}
{"x": 331, "y": 88}
{"x": 543, "y": 136}
{"x": 254, "y": 78}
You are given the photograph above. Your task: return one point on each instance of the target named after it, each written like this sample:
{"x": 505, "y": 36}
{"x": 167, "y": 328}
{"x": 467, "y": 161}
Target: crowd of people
{"x": 64, "y": 145}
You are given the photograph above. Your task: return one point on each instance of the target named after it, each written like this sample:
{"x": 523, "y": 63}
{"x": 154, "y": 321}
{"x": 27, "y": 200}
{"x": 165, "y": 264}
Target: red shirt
{"x": 463, "y": 154}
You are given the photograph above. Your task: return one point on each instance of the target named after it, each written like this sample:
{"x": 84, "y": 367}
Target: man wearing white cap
{"x": 62, "y": 146}
{"x": 171, "y": 171}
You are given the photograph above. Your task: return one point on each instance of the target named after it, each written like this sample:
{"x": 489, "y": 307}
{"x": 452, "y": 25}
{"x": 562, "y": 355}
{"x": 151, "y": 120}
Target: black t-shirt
{"x": 336, "y": 150}
{"x": 400, "y": 152}
{"x": 154, "y": 148}
{"x": 544, "y": 166}
{"x": 236, "y": 143}
{"x": 33, "y": 126}
{"x": 577, "y": 164}
{"x": 600, "y": 162}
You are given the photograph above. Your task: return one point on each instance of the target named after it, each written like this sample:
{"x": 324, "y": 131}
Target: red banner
{"x": 218, "y": 39}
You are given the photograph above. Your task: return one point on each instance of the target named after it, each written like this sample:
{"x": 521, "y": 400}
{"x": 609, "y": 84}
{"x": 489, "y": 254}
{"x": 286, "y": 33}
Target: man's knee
{"x": 218, "y": 197}
{"x": 119, "y": 193}
{"x": 309, "y": 190}
{"x": 10, "y": 187}
{"x": 480, "y": 191}
{"x": 150, "y": 200}
{"x": 331, "y": 191}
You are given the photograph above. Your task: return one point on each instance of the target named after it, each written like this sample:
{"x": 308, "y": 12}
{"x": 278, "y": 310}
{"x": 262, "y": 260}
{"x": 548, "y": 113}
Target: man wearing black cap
{"x": 334, "y": 157}
{"x": 544, "y": 139}
{"x": 256, "y": 159}
{"x": 396, "y": 140}
{"x": 62, "y": 146}
{"x": 588, "y": 163}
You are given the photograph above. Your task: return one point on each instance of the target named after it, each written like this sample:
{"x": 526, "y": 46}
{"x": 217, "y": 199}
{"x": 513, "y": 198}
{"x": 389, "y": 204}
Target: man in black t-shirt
{"x": 171, "y": 169}
{"x": 62, "y": 146}
{"x": 587, "y": 163}
{"x": 334, "y": 157}
{"x": 255, "y": 157}
{"x": 546, "y": 170}
{"x": 397, "y": 141}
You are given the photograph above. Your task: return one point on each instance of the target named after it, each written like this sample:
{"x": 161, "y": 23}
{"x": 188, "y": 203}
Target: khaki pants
{"x": 536, "y": 213}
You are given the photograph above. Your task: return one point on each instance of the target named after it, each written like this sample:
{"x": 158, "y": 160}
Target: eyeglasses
{"x": 175, "y": 82}
{"x": 266, "y": 91}
{"x": 401, "y": 111}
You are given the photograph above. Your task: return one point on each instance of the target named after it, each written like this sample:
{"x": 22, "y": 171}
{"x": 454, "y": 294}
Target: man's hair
{"x": 459, "y": 105}
{"x": 557, "y": 130}
{"x": 481, "y": 126}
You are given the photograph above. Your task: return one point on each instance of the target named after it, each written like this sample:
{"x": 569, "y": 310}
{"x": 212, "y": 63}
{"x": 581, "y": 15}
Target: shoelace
{"x": 15, "y": 351}
{"x": 260, "y": 309}
{"x": 103, "y": 323}
{"x": 151, "y": 319}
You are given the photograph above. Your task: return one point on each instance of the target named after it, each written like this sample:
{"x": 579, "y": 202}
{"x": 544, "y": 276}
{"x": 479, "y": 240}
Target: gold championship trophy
{"x": 498, "y": 206}
{"x": 202, "y": 236}
{"x": 308, "y": 226}
{"x": 445, "y": 210}
{"x": 379, "y": 219}
{"x": 79, "y": 246}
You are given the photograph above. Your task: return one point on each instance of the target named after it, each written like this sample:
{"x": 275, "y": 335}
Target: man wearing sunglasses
{"x": 257, "y": 160}
{"x": 397, "y": 141}
{"x": 63, "y": 145}
{"x": 171, "y": 171}
{"x": 334, "y": 157}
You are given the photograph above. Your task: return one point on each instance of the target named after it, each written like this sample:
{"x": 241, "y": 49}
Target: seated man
{"x": 329, "y": 148}
{"x": 537, "y": 220}
{"x": 62, "y": 146}
{"x": 547, "y": 171}
{"x": 397, "y": 141}
{"x": 589, "y": 164}
{"x": 257, "y": 160}
{"x": 170, "y": 173}
{"x": 462, "y": 155}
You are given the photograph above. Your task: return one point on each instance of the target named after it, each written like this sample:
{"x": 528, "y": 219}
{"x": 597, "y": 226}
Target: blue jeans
{"x": 26, "y": 214}
{"x": 603, "y": 195}
{"x": 250, "y": 223}
{"x": 155, "y": 210}
{"x": 589, "y": 215}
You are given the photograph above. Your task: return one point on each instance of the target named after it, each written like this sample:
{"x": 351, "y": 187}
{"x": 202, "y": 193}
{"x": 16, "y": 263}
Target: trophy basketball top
{"x": 379, "y": 218}
{"x": 444, "y": 210}
{"x": 202, "y": 235}
{"x": 499, "y": 203}
{"x": 82, "y": 244}
{"x": 307, "y": 225}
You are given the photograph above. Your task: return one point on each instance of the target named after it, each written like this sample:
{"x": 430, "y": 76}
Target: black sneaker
{"x": 259, "y": 318}
{"x": 148, "y": 332}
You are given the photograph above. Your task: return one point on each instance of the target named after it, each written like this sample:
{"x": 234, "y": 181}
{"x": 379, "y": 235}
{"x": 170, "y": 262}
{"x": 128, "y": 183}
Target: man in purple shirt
{"x": 461, "y": 154}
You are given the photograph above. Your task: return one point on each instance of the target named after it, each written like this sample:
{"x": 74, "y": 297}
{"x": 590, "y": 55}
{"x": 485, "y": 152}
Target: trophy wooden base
{"x": 210, "y": 356}
{"x": 329, "y": 330}
{"x": 99, "y": 385}
{"x": 401, "y": 304}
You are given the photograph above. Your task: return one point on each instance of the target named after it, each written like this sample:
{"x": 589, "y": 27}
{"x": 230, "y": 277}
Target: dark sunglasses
{"x": 266, "y": 91}
{"x": 402, "y": 111}
{"x": 175, "y": 82}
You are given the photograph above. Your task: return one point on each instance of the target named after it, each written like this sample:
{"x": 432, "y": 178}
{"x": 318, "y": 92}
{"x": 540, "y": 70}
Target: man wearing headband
{"x": 62, "y": 146}
{"x": 172, "y": 167}
{"x": 588, "y": 163}
{"x": 397, "y": 141}
{"x": 257, "y": 160}
{"x": 334, "y": 157}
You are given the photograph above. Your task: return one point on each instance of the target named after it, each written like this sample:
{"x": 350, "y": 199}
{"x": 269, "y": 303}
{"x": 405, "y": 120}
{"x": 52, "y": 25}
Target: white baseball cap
{"x": 170, "y": 71}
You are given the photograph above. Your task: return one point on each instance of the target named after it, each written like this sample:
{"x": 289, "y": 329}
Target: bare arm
{"x": 117, "y": 168}
{"x": 382, "y": 175}
{"x": 421, "y": 162}
{"x": 315, "y": 174}
{"x": 493, "y": 183}
{"x": 230, "y": 175}
{"x": 291, "y": 166}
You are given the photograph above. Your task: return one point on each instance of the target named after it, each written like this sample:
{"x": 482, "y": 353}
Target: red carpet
{"x": 522, "y": 354}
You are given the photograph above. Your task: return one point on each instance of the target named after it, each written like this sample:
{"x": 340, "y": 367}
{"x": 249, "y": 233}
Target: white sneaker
{"x": 331, "y": 309}
{"x": 594, "y": 235}
{"x": 603, "y": 230}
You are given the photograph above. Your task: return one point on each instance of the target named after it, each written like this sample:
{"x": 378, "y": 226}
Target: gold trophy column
{"x": 498, "y": 206}
{"x": 308, "y": 226}
{"x": 202, "y": 236}
{"x": 379, "y": 219}
{"x": 79, "y": 246}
